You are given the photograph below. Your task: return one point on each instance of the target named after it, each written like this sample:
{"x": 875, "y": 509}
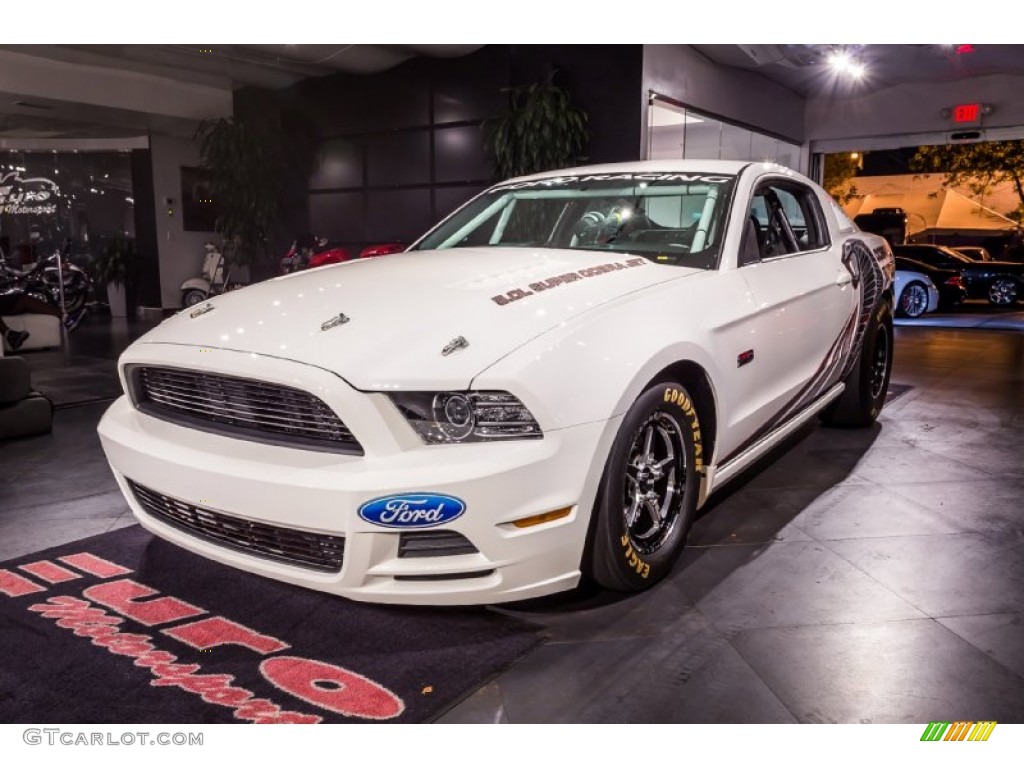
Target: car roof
{"x": 923, "y": 247}
{"x": 731, "y": 167}
{"x": 922, "y": 266}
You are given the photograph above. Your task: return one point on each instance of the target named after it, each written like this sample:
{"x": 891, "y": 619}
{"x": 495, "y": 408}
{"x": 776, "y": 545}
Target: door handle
{"x": 843, "y": 279}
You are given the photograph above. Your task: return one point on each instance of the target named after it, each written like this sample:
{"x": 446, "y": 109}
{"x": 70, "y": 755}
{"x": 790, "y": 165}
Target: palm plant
{"x": 252, "y": 166}
{"x": 541, "y": 131}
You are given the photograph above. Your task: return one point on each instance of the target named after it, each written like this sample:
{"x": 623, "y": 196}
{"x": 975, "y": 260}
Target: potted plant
{"x": 254, "y": 167}
{"x": 541, "y": 130}
{"x": 112, "y": 266}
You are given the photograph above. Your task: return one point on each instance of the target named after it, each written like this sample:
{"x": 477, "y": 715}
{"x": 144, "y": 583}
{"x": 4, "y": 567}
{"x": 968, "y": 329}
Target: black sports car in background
{"x": 1001, "y": 282}
{"x": 974, "y": 252}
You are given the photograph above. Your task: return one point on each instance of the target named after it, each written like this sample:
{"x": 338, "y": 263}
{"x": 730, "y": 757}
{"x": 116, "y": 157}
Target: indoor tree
{"x": 252, "y": 166}
{"x": 541, "y": 130}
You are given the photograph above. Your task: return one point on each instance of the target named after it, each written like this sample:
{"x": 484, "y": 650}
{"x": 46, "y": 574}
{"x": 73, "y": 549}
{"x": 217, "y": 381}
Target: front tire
{"x": 913, "y": 301}
{"x": 868, "y": 382}
{"x": 648, "y": 494}
{"x": 1003, "y": 292}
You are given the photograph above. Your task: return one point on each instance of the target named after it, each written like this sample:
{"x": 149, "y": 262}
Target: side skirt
{"x": 717, "y": 476}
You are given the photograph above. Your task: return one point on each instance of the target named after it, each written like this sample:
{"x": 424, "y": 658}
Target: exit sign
{"x": 966, "y": 113}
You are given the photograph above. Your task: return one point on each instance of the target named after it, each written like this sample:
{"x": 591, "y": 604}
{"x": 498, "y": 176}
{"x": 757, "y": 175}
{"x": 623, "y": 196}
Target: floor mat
{"x": 74, "y": 380}
{"x": 124, "y": 628}
{"x": 896, "y": 391}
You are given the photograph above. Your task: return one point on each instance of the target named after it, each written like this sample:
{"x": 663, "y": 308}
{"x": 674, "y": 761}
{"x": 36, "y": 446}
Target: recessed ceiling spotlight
{"x": 842, "y": 62}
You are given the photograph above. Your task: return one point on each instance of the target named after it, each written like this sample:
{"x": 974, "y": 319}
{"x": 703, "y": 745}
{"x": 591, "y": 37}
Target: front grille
{"x": 237, "y": 407}
{"x": 434, "y": 544}
{"x": 309, "y": 550}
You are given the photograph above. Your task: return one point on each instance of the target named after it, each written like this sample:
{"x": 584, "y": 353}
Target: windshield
{"x": 669, "y": 218}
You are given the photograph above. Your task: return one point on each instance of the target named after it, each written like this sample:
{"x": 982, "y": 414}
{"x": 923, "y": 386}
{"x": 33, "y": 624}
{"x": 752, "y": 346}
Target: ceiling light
{"x": 843, "y": 63}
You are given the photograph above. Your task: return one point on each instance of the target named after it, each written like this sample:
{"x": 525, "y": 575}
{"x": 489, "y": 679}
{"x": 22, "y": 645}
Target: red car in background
{"x": 381, "y": 250}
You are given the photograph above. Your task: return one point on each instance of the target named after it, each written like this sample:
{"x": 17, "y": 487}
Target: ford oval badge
{"x": 412, "y": 510}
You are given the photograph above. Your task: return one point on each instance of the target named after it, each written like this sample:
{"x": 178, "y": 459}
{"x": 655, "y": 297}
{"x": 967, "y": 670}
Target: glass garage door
{"x": 677, "y": 132}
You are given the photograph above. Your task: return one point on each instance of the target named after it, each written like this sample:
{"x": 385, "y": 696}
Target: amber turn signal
{"x": 546, "y": 517}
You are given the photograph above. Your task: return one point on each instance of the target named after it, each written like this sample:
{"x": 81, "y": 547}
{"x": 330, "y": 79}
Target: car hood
{"x": 403, "y": 310}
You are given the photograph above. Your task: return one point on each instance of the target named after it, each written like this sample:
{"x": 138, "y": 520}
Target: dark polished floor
{"x": 976, "y": 313}
{"x": 859, "y": 576}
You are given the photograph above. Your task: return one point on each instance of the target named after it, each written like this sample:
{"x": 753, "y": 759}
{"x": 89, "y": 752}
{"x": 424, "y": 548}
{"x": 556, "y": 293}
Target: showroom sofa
{"x": 44, "y": 331}
{"x": 23, "y": 411}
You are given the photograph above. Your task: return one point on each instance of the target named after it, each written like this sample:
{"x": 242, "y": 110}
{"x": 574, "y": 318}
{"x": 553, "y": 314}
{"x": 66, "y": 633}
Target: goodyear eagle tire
{"x": 648, "y": 495}
{"x": 868, "y": 383}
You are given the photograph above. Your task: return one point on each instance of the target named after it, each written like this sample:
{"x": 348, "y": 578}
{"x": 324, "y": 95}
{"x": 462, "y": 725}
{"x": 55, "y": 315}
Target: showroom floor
{"x": 860, "y": 576}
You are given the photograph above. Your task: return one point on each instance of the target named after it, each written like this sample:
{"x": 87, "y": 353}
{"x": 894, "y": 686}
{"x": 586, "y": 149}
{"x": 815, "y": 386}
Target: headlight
{"x": 466, "y": 417}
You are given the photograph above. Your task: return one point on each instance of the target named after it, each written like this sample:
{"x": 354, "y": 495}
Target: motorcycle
{"x": 309, "y": 253}
{"x": 381, "y": 250}
{"x": 316, "y": 253}
{"x": 43, "y": 280}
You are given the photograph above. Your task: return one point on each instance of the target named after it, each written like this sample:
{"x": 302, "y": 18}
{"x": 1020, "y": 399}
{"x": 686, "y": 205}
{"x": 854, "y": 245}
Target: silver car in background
{"x": 915, "y": 293}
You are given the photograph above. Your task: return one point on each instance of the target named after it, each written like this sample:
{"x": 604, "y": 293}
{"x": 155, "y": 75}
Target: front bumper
{"x": 320, "y": 493}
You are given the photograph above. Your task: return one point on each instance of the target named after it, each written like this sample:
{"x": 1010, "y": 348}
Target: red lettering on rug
{"x": 123, "y": 596}
{"x": 50, "y": 572}
{"x": 85, "y": 620}
{"x": 216, "y": 631}
{"x": 332, "y": 688}
{"x": 13, "y": 585}
{"x": 95, "y": 566}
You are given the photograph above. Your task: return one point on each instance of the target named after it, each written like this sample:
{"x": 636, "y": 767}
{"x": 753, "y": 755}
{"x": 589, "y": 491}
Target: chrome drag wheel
{"x": 655, "y": 481}
{"x": 648, "y": 493}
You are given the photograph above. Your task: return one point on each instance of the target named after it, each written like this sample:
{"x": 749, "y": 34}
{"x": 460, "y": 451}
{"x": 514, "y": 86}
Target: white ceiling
{"x": 234, "y": 66}
{"x": 114, "y": 91}
{"x": 805, "y": 69}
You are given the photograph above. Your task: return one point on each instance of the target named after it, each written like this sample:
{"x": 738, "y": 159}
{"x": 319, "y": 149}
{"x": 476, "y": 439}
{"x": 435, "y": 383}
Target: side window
{"x": 785, "y": 218}
{"x": 845, "y": 225}
{"x": 803, "y": 210}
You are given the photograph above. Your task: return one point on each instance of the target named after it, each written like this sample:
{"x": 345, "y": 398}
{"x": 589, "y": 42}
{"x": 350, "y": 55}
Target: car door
{"x": 805, "y": 297}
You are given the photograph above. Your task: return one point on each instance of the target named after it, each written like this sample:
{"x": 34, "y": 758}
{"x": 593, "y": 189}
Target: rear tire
{"x": 868, "y": 382}
{"x": 1003, "y": 292}
{"x": 648, "y": 494}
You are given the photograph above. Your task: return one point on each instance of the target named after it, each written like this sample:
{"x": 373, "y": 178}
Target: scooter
{"x": 212, "y": 281}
